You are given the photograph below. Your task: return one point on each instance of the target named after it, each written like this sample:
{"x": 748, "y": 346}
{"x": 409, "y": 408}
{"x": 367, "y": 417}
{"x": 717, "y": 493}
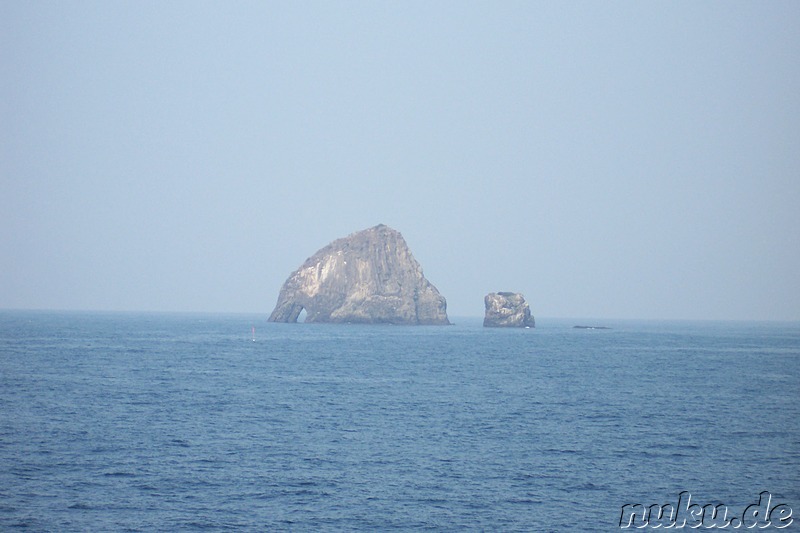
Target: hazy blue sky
{"x": 607, "y": 159}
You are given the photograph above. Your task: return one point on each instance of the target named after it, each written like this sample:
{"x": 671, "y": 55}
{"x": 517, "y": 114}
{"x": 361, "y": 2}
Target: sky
{"x": 605, "y": 159}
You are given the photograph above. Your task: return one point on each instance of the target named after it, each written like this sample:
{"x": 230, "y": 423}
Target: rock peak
{"x": 370, "y": 276}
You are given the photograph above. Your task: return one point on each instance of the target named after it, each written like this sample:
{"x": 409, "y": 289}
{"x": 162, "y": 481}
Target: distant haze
{"x": 609, "y": 160}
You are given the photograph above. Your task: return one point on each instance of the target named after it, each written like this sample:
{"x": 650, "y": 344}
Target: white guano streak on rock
{"x": 314, "y": 276}
{"x": 363, "y": 288}
{"x": 309, "y": 281}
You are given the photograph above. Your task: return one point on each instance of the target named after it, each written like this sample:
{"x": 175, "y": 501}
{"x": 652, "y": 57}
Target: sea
{"x": 190, "y": 422}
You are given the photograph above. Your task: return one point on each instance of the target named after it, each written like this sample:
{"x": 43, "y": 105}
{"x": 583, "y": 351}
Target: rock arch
{"x": 368, "y": 277}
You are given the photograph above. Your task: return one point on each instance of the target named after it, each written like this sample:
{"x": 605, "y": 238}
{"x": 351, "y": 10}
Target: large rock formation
{"x": 507, "y": 310}
{"x": 368, "y": 277}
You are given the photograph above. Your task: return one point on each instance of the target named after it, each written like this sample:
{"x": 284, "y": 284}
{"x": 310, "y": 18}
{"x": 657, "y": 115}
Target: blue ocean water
{"x": 139, "y": 422}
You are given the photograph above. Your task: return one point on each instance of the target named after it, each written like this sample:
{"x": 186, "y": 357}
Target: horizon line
{"x": 455, "y": 316}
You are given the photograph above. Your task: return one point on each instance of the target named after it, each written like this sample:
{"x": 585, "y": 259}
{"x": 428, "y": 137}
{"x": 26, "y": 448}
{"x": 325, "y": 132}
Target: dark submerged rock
{"x": 507, "y": 310}
{"x": 368, "y": 277}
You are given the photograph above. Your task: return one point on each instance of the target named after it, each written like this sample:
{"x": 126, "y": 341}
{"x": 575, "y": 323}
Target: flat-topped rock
{"x": 507, "y": 310}
{"x": 368, "y": 277}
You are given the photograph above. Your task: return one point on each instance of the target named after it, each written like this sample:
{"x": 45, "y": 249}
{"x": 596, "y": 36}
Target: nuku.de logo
{"x": 759, "y": 515}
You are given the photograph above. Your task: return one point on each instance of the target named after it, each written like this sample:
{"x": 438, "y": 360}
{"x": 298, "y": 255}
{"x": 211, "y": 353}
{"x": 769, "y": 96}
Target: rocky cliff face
{"x": 368, "y": 277}
{"x": 507, "y": 310}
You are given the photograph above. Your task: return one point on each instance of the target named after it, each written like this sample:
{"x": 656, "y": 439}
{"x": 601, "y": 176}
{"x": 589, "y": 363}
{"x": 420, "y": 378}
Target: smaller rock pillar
{"x": 507, "y": 310}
